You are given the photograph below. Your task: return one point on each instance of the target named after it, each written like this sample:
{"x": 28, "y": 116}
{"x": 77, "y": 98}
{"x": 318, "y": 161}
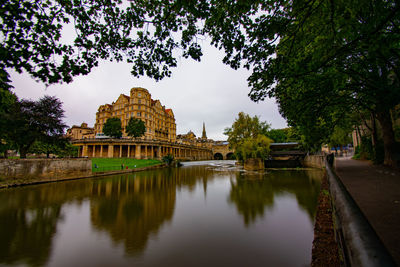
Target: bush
{"x": 356, "y": 152}
{"x": 367, "y": 151}
{"x": 168, "y": 159}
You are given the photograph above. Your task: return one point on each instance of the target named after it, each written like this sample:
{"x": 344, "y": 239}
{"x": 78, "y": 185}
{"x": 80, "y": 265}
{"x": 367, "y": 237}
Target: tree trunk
{"x": 358, "y": 134}
{"x": 374, "y": 136}
{"x": 388, "y": 137}
{"x": 22, "y": 152}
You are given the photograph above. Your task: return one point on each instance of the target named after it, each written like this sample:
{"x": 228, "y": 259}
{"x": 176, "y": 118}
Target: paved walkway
{"x": 376, "y": 190}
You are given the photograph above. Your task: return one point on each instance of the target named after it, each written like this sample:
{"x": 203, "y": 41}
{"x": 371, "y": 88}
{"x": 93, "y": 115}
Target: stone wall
{"x": 28, "y": 171}
{"x": 314, "y": 161}
{"x": 253, "y": 164}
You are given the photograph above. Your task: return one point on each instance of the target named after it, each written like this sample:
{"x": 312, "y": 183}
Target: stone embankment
{"x": 15, "y": 172}
{"x": 314, "y": 161}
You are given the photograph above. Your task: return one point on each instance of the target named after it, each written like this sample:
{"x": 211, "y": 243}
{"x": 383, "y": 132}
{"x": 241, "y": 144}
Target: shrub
{"x": 168, "y": 159}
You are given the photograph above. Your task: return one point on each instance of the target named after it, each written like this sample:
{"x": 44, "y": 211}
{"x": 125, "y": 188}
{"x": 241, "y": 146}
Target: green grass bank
{"x": 115, "y": 164}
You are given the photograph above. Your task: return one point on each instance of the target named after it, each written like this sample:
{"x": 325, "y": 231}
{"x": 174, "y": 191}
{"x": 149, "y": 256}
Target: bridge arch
{"x": 218, "y": 156}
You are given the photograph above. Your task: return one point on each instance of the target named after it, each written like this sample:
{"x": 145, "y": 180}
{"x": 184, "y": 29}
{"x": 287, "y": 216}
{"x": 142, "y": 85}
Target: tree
{"x": 254, "y": 148}
{"x": 340, "y": 137}
{"x": 60, "y": 147}
{"x": 344, "y": 67}
{"x": 113, "y": 128}
{"x": 319, "y": 59}
{"x": 246, "y": 139}
{"x": 277, "y": 135}
{"x": 243, "y": 127}
{"x": 68, "y": 150}
{"x": 7, "y": 101}
{"x": 139, "y": 32}
{"x": 135, "y": 127}
{"x": 30, "y": 121}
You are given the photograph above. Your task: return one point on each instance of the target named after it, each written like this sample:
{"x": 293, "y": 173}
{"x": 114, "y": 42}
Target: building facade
{"x": 159, "y": 121}
{"x": 80, "y": 132}
{"x": 139, "y": 149}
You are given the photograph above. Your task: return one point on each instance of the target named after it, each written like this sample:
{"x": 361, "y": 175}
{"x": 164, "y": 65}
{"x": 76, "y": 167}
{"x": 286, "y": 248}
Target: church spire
{"x": 204, "y": 135}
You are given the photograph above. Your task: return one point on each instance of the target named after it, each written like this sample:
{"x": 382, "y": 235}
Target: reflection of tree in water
{"x": 253, "y": 193}
{"x": 133, "y": 207}
{"x": 28, "y": 220}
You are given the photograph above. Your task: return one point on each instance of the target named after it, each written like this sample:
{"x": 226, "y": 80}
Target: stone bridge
{"x": 222, "y": 151}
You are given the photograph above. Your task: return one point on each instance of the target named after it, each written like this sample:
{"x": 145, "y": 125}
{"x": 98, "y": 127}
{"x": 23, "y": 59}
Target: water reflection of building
{"x": 130, "y": 210}
{"x": 133, "y": 207}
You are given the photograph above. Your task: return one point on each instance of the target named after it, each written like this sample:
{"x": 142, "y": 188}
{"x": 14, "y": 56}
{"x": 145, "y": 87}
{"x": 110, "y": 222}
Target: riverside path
{"x": 376, "y": 190}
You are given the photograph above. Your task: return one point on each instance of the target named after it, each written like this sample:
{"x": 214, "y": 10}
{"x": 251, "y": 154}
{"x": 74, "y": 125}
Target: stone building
{"x": 187, "y": 139}
{"x": 80, "y": 132}
{"x": 159, "y": 121}
{"x": 204, "y": 134}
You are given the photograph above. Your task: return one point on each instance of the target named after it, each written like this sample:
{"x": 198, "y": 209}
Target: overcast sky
{"x": 206, "y": 91}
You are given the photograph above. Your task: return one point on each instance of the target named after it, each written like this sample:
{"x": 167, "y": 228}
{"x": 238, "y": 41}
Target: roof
{"x": 169, "y": 112}
{"x": 284, "y": 145}
{"x": 80, "y": 127}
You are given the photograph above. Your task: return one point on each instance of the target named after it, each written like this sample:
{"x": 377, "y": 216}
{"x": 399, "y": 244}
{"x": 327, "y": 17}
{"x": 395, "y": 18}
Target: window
{"x": 138, "y": 114}
{"x": 138, "y": 107}
{"x": 139, "y": 101}
{"x": 139, "y": 94}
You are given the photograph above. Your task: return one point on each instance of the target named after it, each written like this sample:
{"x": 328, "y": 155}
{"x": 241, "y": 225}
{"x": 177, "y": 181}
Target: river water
{"x": 202, "y": 214}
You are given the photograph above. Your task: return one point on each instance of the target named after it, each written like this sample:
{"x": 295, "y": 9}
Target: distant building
{"x": 80, "y": 132}
{"x": 190, "y": 139}
{"x": 159, "y": 121}
{"x": 187, "y": 139}
{"x": 204, "y": 135}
